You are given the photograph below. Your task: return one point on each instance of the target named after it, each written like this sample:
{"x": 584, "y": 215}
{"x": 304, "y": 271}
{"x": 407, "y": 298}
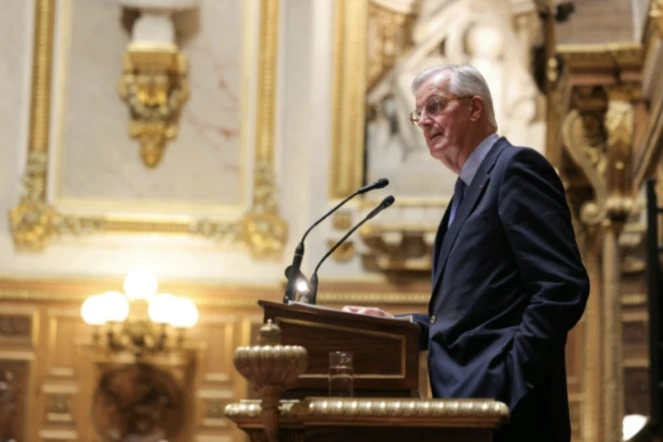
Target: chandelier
{"x": 140, "y": 319}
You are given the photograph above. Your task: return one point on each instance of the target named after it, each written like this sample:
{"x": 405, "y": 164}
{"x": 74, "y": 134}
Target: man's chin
{"x": 438, "y": 153}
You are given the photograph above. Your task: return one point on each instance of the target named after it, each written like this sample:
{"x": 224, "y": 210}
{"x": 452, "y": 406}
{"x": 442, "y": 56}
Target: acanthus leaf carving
{"x": 619, "y": 125}
{"x": 580, "y": 134}
{"x": 598, "y": 137}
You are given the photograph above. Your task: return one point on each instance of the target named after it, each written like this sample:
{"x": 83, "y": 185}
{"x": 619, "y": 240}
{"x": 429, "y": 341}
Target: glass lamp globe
{"x": 92, "y": 310}
{"x": 140, "y": 284}
{"x": 162, "y": 308}
{"x": 185, "y": 313}
{"x": 116, "y": 306}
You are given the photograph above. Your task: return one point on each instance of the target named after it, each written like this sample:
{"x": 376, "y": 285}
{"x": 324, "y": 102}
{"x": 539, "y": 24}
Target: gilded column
{"x": 591, "y": 416}
{"x": 598, "y": 136}
{"x": 584, "y": 140}
{"x": 620, "y": 203}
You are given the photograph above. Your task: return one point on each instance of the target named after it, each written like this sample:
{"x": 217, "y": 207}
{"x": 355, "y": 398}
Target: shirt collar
{"x": 475, "y": 159}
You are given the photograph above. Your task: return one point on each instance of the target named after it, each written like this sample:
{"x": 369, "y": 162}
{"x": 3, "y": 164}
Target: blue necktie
{"x": 459, "y": 193}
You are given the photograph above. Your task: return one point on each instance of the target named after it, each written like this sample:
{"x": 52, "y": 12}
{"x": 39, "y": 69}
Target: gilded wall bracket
{"x": 154, "y": 86}
{"x": 154, "y": 76}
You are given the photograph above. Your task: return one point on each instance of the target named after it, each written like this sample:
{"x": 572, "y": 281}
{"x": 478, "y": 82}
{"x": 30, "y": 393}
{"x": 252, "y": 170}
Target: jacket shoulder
{"x": 522, "y": 156}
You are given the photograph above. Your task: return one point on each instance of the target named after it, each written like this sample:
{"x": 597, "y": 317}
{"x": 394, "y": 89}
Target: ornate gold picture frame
{"x": 35, "y": 222}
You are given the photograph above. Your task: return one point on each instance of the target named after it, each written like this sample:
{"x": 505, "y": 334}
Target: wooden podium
{"x": 290, "y": 370}
{"x": 385, "y": 351}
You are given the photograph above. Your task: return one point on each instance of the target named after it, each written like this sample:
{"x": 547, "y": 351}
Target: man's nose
{"x": 424, "y": 121}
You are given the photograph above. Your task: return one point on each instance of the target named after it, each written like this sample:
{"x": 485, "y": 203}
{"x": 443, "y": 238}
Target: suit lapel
{"x": 439, "y": 237}
{"x": 473, "y": 196}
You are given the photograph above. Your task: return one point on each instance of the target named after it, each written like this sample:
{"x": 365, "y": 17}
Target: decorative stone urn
{"x": 272, "y": 368}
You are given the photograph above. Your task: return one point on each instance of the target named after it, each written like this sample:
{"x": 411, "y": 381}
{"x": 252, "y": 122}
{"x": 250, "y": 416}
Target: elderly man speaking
{"x": 508, "y": 282}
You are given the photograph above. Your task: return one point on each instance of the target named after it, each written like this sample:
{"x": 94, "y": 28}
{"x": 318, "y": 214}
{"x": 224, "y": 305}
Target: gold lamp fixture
{"x": 140, "y": 319}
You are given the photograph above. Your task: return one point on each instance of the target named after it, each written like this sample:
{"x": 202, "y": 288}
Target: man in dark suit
{"x": 508, "y": 280}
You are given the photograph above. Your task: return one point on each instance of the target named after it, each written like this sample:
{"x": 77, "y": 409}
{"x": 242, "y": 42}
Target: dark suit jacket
{"x": 508, "y": 284}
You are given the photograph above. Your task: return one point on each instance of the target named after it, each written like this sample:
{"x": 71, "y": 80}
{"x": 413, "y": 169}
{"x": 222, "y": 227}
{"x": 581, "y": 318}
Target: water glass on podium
{"x": 340, "y": 374}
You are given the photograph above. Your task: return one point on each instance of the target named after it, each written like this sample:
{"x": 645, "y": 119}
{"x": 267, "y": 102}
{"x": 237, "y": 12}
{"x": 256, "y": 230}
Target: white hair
{"x": 465, "y": 80}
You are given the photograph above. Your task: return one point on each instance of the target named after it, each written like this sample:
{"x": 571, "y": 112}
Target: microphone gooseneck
{"x": 293, "y": 271}
{"x": 388, "y": 201}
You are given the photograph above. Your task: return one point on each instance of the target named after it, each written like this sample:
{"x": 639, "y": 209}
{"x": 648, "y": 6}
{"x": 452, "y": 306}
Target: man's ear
{"x": 476, "y": 109}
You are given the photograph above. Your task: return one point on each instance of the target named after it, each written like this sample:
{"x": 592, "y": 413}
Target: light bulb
{"x": 302, "y": 286}
{"x": 184, "y": 313}
{"x": 161, "y": 308}
{"x": 140, "y": 284}
{"x": 92, "y": 310}
{"x": 632, "y": 424}
{"x": 116, "y": 306}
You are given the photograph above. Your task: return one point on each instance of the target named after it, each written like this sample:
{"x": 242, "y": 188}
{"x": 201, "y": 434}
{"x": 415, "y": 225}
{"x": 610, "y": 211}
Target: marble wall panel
{"x": 97, "y": 161}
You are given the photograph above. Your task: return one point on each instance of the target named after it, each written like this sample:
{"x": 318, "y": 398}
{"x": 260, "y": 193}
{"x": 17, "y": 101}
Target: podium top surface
{"x": 340, "y": 316}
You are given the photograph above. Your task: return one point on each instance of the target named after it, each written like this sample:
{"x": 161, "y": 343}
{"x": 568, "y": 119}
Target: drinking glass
{"x": 340, "y": 374}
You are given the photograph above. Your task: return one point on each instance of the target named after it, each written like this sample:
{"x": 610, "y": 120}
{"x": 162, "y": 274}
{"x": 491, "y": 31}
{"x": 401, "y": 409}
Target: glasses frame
{"x": 414, "y": 119}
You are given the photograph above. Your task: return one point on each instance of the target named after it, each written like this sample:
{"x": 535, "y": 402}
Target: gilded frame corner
{"x": 34, "y": 222}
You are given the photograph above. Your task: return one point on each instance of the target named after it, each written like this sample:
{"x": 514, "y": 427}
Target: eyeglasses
{"x": 433, "y": 107}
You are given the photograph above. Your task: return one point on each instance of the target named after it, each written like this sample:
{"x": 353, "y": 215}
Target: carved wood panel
{"x": 66, "y": 374}
{"x": 216, "y": 377}
{"x": 13, "y": 393}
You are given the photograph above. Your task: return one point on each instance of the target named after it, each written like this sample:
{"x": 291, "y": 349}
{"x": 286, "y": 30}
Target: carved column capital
{"x": 598, "y": 136}
{"x": 584, "y": 139}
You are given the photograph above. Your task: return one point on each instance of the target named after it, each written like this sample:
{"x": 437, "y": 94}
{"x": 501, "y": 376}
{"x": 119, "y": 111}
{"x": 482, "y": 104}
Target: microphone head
{"x": 377, "y": 184}
{"x": 381, "y": 183}
{"x": 388, "y": 201}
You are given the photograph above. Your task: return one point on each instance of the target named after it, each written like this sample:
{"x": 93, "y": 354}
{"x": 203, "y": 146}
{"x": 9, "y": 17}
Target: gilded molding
{"x": 408, "y": 412}
{"x": 34, "y": 222}
{"x": 31, "y": 220}
{"x": 350, "y": 20}
{"x": 239, "y": 296}
{"x": 264, "y": 231}
{"x": 611, "y": 57}
{"x": 382, "y": 298}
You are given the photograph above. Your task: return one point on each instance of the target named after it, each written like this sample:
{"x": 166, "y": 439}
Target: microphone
{"x": 292, "y": 272}
{"x": 377, "y": 184}
{"x": 388, "y": 201}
